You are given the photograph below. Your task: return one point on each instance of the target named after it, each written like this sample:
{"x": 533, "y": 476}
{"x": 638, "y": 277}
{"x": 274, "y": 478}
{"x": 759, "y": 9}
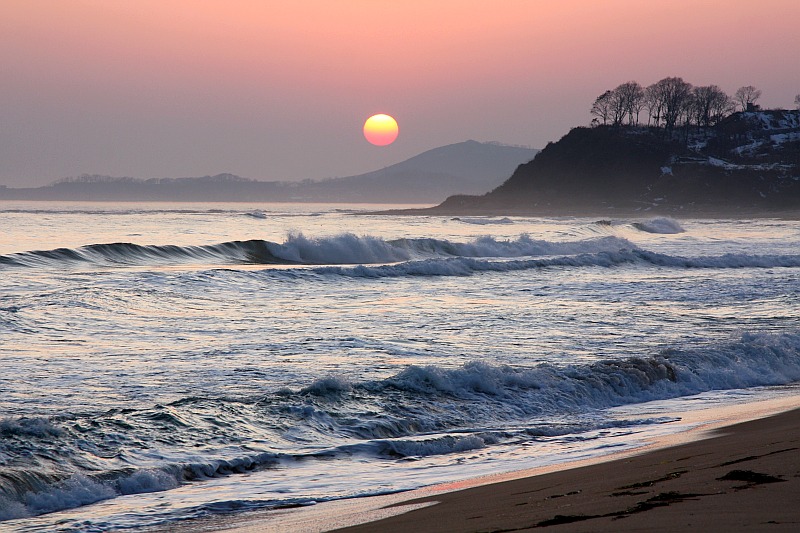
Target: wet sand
{"x": 745, "y": 478}
{"x": 717, "y": 477}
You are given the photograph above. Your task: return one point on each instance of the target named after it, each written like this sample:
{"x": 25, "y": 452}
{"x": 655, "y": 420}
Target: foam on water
{"x": 663, "y": 225}
{"x": 469, "y": 407}
{"x": 467, "y": 266}
{"x": 410, "y": 257}
{"x": 247, "y": 362}
{"x": 346, "y": 248}
{"x": 480, "y": 221}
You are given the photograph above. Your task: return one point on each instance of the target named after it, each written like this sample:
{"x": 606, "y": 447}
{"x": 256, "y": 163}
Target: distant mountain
{"x": 749, "y": 162}
{"x": 468, "y": 167}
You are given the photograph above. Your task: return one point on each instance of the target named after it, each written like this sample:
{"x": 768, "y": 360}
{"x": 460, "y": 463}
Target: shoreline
{"x": 701, "y": 212}
{"x": 761, "y": 438}
{"x": 741, "y": 478}
{"x": 609, "y": 213}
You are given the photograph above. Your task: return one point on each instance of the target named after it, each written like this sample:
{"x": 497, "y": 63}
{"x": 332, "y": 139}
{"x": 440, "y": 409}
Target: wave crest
{"x": 664, "y": 225}
{"x": 419, "y": 411}
{"x": 344, "y": 249}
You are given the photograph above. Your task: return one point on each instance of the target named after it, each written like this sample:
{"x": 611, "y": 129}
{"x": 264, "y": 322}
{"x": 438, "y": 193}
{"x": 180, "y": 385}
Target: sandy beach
{"x": 717, "y": 477}
{"x": 745, "y": 478}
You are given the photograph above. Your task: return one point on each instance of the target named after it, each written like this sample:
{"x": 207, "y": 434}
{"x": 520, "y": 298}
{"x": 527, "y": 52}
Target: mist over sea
{"x": 162, "y": 362}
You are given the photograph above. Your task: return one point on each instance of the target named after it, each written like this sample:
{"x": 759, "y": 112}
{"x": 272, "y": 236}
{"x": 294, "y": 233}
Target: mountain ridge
{"x": 429, "y": 177}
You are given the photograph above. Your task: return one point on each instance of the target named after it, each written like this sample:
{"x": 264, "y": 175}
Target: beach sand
{"x": 716, "y": 477}
{"x": 745, "y": 478}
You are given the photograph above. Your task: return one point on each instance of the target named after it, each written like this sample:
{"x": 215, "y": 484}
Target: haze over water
{"x": 162, "y": 362}
{"x": 169, "y": 361}
{"x": 279, "y": 90}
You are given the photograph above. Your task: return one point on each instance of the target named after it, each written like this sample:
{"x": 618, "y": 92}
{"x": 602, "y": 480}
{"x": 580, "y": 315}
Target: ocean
{"x": 161, "y": 362}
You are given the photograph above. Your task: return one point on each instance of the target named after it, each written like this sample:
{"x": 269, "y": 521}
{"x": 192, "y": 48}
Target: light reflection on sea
{"x": 352, "y": 377}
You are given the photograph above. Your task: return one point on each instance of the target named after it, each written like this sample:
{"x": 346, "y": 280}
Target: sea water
{"x": 160, "y": 362}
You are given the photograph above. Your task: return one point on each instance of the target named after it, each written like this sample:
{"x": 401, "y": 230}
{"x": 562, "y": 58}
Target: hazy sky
{"x": 280, "y": 89}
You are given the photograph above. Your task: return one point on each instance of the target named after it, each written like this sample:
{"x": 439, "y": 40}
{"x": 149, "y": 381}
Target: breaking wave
{"x": 466, "y": 266}
{"x": 418, "y": 412}
{"x": 483, "y": 221}
{"x": 371, "y": 257}
{"x": 663, "y": 225}
{"x": 299, "y": 249}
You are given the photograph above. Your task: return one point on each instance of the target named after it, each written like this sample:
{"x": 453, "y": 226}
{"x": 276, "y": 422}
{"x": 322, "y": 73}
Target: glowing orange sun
{"x": 380, "y": 130}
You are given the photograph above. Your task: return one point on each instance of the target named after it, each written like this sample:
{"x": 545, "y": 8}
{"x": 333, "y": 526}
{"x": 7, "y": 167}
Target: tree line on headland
{"x": 672, "y": 102}
{"x": 693, "y": 154}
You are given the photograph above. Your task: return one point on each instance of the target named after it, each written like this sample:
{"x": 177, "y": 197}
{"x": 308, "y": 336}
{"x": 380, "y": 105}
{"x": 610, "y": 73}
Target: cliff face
{"x": 748, "y": 161}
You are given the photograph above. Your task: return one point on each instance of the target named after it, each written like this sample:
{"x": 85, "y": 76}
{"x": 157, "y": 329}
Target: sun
{"x": 381, "y": 130}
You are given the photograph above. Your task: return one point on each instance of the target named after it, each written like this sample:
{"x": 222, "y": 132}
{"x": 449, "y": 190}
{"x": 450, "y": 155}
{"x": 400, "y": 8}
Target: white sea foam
{"x": 76, "y": 491}
{"x": 303, "y": 379}
{"x": 29, "y": 427}
{"x": 340, "y": 249}
{"x": 465, "y": 266}
{"x": 352, "y": 249}
{"x": 11, "y": 509}
{"x": 328, "y": 385}
{"x": 753, "y": 360}
{"x": 147, "y": 480}
{"x": 437, "y": 446}
{"x": 256, "y": 214}
{"x": 480, "y": 221}
{"x": 395, "y": 413}
{"x": 663, "y": 225}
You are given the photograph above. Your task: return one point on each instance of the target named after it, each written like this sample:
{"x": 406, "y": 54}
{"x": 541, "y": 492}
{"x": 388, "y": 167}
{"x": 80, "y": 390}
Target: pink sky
{"x": 280, "y": 90}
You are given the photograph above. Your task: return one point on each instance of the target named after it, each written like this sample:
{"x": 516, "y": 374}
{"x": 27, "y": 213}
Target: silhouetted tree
{"x": 747, "y": 96}
{"x": 675, "y": 97}
{"x": 670, "y": 102}
{"x": 721, "y": 106}
{"x": 601, "y": 107}
{"x": 797, "y": 101}
{"x": 626, "y": 101}
{"x": 617, "y": 107}
{"x": 710, "y": 104}
{"x": 631, "y": 98}
{"x": 655, "y": 104}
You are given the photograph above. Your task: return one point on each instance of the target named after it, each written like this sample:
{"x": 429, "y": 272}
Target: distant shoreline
{"x": 469, "y": 167}
{"x": 608, "y": 213}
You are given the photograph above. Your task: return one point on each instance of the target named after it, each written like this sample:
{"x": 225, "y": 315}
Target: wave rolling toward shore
{"x": 200, "y": 378}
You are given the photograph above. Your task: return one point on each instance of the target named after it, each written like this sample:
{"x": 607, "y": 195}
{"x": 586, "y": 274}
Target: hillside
{"x": 469, "y": 167}
{"x": 748, "y": 162}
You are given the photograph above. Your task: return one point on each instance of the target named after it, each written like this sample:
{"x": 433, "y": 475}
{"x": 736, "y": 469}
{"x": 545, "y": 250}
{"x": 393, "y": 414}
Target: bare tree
{"x": 671, "y": 102}
{"x": 695, "y": 109}
{"x": 602, "y": 107}
{"x": 675, "y": 95}
{"x": 710, "y": 104}
{"x": 797, "y": 101}
{"x": 615, "y": 106}
{"x": 654, "y": 103}
{"x": 631, "y": 100}
{"x": 746, "y": 96}
{"x": 721, "y": 106}
{"x": 618, "y": 109}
